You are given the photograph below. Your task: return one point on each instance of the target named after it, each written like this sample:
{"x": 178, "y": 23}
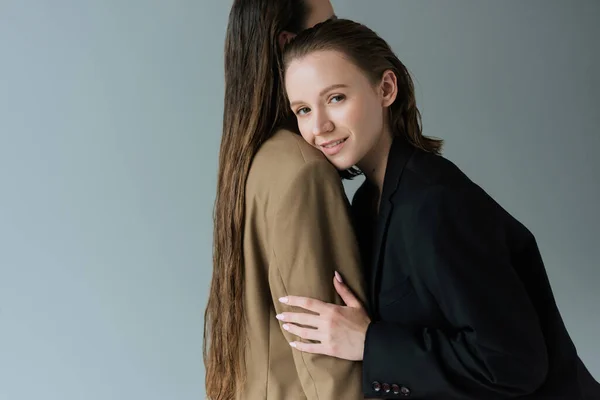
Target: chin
{"x": 341, "y": 161}
{"x": 341, "y": 166}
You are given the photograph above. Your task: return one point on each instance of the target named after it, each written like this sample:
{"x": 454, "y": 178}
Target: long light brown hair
{"x": 369, "y": 52}
{"x": 254, "y": 109}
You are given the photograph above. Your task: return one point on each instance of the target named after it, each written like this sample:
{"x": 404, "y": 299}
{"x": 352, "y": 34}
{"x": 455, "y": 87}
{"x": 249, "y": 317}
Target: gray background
{"x": 110, "y": 117}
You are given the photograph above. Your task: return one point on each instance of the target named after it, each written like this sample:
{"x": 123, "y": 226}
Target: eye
{"x": 337, "y": 98}
{"x": 302, "y": 111}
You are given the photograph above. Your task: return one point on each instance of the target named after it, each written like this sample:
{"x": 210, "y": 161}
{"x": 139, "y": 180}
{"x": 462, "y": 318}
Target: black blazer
{"x": 461, "y": 304}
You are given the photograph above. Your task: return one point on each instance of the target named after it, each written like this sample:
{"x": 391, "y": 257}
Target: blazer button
{"x": 404, "y": 391}
{"x": 376, "y": 386}
{"x": 386, "y": 387}
{"x": 396, "y": 389}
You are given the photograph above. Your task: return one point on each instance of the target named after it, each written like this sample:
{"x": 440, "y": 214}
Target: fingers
{"x": 304, "y": 333}
{"x": 346, "y": 294}
{"x": 299, "y": 318}
{"x": 315, "y": 348}
{"x": 305, "y": 302}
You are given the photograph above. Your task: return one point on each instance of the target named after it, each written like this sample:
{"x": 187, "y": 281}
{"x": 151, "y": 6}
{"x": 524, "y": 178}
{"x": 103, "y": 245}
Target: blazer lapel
{"x": 400, "y": 153}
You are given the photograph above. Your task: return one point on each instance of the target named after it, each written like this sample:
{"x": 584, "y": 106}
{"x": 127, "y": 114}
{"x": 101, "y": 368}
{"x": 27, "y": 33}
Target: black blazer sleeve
{"x": 492, "y": 346}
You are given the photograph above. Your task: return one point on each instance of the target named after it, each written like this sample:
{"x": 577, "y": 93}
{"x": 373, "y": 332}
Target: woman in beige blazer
{"x": 281, "y": 223}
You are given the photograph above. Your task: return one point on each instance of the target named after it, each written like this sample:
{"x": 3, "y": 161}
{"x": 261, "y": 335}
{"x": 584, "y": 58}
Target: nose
{"x": 322, "y": 124}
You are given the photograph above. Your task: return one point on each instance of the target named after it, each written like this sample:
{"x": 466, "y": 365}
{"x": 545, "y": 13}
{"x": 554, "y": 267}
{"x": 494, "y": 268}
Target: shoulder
{"x": 286, "y": 146}
{"x": 441, "y": 214}
{"x": 286, "y": 161}
{"x": 432, "y": 181}
{"x": 433, "y": 169}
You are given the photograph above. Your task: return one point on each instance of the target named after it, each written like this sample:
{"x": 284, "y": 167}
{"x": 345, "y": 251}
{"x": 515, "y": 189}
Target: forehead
{"x": 318, "y": 11}
{"x": 319, "y": 69}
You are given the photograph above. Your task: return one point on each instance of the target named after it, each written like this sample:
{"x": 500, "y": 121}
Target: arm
{"x": 312, "y": 236}
{"x": 493, "y": 346}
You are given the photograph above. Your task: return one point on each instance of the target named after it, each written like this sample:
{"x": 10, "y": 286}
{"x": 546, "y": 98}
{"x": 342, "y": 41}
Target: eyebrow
{"x": 327, "y": 89}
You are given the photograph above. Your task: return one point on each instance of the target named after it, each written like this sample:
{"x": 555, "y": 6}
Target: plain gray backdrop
{"x": 110, "y": 119}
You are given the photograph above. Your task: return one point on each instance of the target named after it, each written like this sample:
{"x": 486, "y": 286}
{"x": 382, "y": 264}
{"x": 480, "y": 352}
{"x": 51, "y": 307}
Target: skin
{"x": 334, "y": 100}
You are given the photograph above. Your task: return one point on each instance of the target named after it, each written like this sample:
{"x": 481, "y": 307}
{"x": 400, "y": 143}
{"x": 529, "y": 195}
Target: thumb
{"x": 345, "y": 293}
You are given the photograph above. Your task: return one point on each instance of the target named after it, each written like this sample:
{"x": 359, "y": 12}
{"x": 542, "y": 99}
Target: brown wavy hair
{"x": 254, "y": 109}
{"x": 369, "y": 52}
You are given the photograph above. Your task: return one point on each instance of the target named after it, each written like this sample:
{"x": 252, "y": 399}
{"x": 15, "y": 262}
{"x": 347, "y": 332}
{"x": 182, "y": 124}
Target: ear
{"x": 388, "y": 88}
{"x": 284, "y": 38}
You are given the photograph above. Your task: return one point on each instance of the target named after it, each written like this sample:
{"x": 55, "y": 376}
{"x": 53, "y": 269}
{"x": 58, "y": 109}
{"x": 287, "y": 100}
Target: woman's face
{"x": 339, "y": 110}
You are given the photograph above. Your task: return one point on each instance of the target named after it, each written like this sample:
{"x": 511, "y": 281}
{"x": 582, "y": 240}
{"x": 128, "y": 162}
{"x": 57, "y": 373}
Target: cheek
{"x": 371, "y": 116}
{"x": 359, "y": 118}
{"x": 348, "y": 116}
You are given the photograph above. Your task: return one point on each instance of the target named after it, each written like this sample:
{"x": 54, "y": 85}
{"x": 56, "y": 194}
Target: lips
{"x": 333, "y": 147}
{"x": 332, "y": 143}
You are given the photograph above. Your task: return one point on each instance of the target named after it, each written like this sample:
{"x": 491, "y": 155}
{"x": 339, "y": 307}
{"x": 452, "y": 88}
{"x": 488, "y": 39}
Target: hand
{"x": 341, "y": 330}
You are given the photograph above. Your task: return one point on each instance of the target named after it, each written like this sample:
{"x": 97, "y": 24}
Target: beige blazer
{"x": 297, "y": 232}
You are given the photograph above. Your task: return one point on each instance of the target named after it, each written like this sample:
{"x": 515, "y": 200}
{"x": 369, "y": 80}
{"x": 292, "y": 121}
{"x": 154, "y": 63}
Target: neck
{"x": 373, "y": 165}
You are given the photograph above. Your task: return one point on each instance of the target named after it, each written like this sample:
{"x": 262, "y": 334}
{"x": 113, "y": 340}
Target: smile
{"x": 332, "y": 148}
{"x": 333, "y": 144}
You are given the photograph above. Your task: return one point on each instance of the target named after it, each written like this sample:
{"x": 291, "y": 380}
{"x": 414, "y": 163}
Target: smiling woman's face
{"x": 339, "y": 110}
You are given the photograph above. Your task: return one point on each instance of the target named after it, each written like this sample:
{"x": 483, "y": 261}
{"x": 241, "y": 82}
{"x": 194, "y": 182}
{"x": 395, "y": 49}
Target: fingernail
{"x": 338, "y": 277}
{"x": 280, "y": 317}
{"x": 283, "y": 299}
{"x": 286, "y": 327}
{"x": 293, "y": 344}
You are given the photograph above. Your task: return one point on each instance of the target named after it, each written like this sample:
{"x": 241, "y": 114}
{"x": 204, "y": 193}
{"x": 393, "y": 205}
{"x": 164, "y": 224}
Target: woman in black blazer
{"x": 460, "y": 304}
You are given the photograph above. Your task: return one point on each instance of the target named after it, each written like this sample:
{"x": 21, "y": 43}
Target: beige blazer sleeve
{"x": 312, "y": 236}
